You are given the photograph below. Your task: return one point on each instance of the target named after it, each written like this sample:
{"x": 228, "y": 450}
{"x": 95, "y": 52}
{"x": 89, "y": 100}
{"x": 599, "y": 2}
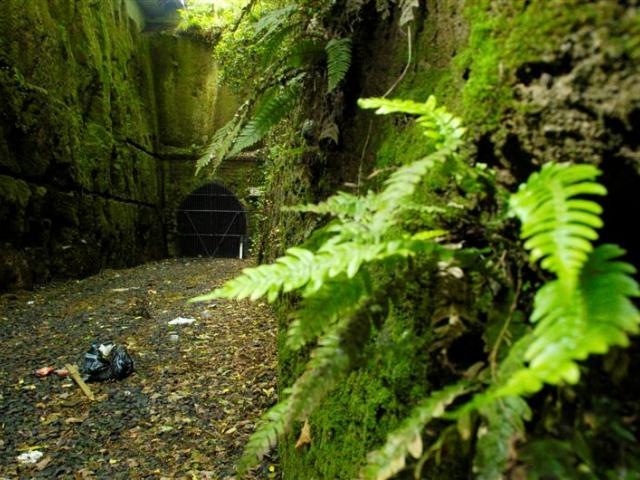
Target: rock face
{"x": 88, "y": 104}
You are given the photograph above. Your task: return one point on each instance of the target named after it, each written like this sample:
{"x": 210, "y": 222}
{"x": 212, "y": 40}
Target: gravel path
{"x": 187, "y": 410}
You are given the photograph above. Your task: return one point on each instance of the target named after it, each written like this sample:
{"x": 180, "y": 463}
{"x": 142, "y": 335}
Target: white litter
{"x": 120, "y": 290}
{"x": 105, "y": 350}
{"x": 182, "y": 321}
{"x": 30, "y": 457}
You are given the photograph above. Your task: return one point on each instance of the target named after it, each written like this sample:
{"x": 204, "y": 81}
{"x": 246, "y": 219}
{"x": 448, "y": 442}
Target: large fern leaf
{"x": 338, "y": 61}
{"x": 270, "y": 427}
{"x": 274, "y": 44}
{"x": 503, "y": 424}
{"x": 596, "y": 316}
{"x": 443, "y": 129}
{"x": 445, "y": 134}
{"x": 301, "y": 269}
{"x": 502, "y": 418}
{"x": 273, "y": 108}
{"x": 557, "y": 223}
{"x": 342, "y": 205}
{"x": 306, "y": 53}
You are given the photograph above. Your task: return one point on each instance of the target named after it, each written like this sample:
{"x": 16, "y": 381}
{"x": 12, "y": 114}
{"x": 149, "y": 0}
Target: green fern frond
{"x": 220, "y": 143}
{"x": 273, "y": 108}
{"x": 336, "y": 300}
{"x": 443, "y": 129}
{"x": 557, "y": 223}
{"x": 407, "y": 439}
{"x": 329, "y": 361}
{"x": 274, "y": 20}
{"x": 503, "y": 424}
{"x": 345, "y": 206}
{"x": 271, "y": 426}
{"x": 338, "y": 61}
{"x": 301, "y": 269}
{"x": 445, "y": 134}
{"x": 305, "y": 53}
{"x": 599, "y": 314}
{"x": 273, "y": 44}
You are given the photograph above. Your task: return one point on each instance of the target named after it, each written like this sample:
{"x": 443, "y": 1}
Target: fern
{"x": 570, "y": 326}
{"x": 503, "y": 424}
{"x": 271, "y": 426}
{"x": 338, "y": 61}
{"x": 273, "y": 44}
{"x": 334, "y": 301}
{"x": 333, "y": 279}
{"x": 557, "y": 226}
{"x": 443, "y": 129}
{"x": 273, "y": 108}
{"x": 407, "y": 439}
{"x": 305, "y": 52}
{"x": 329, "y": 361}
{"x": 220, "y": 143}
{"x": 587, "y": 308}
{"x": 301, "y": 269}
{"x": 584, "y": 311}
{"x": 274, "y": 21}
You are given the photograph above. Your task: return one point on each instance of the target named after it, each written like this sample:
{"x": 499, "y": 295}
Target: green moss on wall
{"x": 191, "y": 104}
{"x": 504, "y": 36}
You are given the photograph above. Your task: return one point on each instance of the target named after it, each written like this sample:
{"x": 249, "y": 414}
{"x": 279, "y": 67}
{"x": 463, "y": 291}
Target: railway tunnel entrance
{"x": 212, "y": 222}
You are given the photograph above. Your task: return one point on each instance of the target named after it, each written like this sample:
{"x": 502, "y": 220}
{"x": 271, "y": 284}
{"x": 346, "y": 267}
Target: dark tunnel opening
{"x": 212, "y": 222}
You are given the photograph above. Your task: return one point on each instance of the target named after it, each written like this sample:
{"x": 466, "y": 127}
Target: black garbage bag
{"x": 106, "y": 361}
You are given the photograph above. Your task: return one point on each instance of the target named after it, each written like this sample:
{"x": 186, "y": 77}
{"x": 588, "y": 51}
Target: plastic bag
{"x": 107, "y": 361}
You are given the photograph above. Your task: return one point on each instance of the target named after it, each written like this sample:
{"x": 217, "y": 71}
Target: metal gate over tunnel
{"x": 212, "y": 222}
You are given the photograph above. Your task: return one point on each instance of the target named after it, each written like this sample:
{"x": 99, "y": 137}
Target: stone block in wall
{"x": 14, "y": 199}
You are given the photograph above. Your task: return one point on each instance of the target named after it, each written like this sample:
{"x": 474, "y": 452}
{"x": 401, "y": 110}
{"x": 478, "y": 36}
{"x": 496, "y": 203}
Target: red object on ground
{"x": 43, "y": 372}
{"x": 62, "y": 372}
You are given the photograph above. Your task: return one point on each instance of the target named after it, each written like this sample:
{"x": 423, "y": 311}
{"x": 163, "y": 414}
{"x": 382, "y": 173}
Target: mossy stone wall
{"x": 80, "y": 189}
{"x": 186, "y": 85}
{"x": 94, "y": 110}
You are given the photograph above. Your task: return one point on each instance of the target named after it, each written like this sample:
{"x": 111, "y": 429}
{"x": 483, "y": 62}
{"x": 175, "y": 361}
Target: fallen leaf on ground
{"x": 305, "y": 435}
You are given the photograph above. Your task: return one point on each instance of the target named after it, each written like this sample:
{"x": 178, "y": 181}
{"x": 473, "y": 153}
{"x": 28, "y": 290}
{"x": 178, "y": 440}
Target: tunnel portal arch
{"x": 212, "y": 222}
